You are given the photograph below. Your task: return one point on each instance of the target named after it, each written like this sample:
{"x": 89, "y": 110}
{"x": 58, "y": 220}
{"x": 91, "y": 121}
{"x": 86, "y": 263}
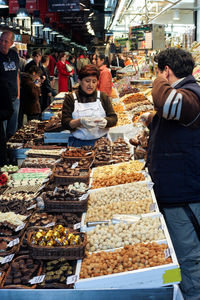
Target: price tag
{"x": 7, "y": 259}
{"x": 20, "y": 227}
{"x": 88, "y": 153}
{"x": 13, "y": 242}
{"x": 55, "y": 191}
{"x": 161, "y": 227}
{"x": 77, "y": 226}
{"x": 31, "y": 207}
{"x": 152, "y": 207}
{"x": 150, "y": 185}
{"x": 37, "y": 279}
{"x": 74, "y": 165}
{"x": 71, "y": 279}
{"x": 167, "y": 253}
{"x": 83, "y": 197}
{"x": 49, "y": 225}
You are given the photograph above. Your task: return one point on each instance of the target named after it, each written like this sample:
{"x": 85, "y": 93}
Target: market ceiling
{"x": 86, "y": 21}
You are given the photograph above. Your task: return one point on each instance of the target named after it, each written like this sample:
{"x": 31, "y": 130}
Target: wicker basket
{"x": 66, "y": 180}
{"x": 19, "y": 286}
{"x": 65, "y": 206}
{"x": 49, "y": 252}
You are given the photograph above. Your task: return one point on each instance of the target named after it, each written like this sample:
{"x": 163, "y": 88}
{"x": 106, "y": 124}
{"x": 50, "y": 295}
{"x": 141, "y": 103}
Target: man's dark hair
{"x": 44, "y": 58}
{"x": 36, "y": 52}
{"x": 88, "y": 70}
{"x": 179, "y": 61}
{"x": 35, "y": 69}
{"x": 101, "y": 56}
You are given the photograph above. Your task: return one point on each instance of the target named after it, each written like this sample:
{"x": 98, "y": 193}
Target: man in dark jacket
{"x": 174, "y": 159}
{"x": 5, "y": 113}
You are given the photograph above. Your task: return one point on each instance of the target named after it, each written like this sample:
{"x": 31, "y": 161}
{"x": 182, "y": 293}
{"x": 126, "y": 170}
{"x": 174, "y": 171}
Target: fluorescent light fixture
{"x": 91, "y": 14}
{"x": 46, "y": 29}
{"x": 3, "y": 4}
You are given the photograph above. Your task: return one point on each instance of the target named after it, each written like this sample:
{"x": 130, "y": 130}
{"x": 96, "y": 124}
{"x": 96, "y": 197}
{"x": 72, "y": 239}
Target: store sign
{"x": 72, "y": 18}
{"x": 31, "y": 5}
{"x": 64, "y": 5}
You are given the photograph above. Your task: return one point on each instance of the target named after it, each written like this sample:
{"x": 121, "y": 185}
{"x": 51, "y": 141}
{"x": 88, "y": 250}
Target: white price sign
{"x": 71, "y": 279}
{"x": 83, "y": 197}
{"x": 13, "y": 242}
{"x": 37, "y": 279}
{"x": 77, "y": 226}
{"x": 49, "y": 225}
{"x": 74, "y": 165}
{"x": 7, "y": 259}
{"x": 20, "y": 227}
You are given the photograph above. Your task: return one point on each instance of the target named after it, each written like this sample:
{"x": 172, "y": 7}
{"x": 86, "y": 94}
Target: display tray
{"x": 49, "y": 252}
{"x": 143, "y": 278}
{"x": 153, "y": 206}
{"x": 9, "y": 250}
{"x": 12, "y": 269}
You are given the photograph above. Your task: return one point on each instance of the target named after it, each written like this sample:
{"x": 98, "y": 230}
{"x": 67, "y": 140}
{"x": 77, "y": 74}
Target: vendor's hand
{"x": 101, "y": 123}
{"x": 88, "y": 122}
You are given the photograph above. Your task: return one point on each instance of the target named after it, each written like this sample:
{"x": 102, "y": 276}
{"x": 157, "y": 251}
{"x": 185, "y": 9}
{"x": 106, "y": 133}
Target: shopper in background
{"x": 46, "y": 89}
{"x": 105, "y": 78}
{"x": 30, "y": 93}
{"x": 22, "y": 61}
{"x": 36, "y": 55}
{"x": 9, "y": 71}
{"x": 82, "y": 61}
{"x": 87, "y": 113}
{"x": 5, "y": 113}
{"x": 71, "y": 60}
{"x": 63, "y": 74}
{"x": 116, "y": 63}
{"x": 174, "y": 159}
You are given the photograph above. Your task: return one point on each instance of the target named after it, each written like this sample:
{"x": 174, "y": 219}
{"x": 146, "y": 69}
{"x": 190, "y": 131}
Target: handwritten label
{"x": 167, "y": 253}
{"x": 150, "y": 185}
{"x": 31, "y": 207}
{"x": 13, "y": 242}
{"x": 77, "y": 226}
{"x": 37, "y": 279}
{"x": 71, "y": 279}
{"x": 7, "y": 259}
{"x": 49, "y": 225}
{"x": 55, "y": 191}
{"x": 20, "y": 227}
{"x": 74, "y": 165}
{"x": 83, "y": 197}
{"x": 152, "y": 207}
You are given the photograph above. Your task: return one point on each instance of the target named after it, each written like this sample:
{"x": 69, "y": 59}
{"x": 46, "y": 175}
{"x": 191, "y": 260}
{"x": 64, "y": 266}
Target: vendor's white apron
{"x": 91, "y": 109}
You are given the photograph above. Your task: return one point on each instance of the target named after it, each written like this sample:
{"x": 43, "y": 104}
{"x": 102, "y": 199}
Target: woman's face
{"x": 63, "y": 59}
{"x": 88, "y": 84}
{"x": 94, "y": 57}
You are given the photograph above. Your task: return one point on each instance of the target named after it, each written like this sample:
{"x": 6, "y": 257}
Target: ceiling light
{"x": 54, "y": 32}
{"x": 46, "y": 25}
{"x": 82, "y": 4}
{"x": 3, "y": 4}
{"x": 22, "y": 14}
{"x": 37, "y": 22}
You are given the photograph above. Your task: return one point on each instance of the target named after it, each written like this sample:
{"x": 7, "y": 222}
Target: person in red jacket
{"x": 63, "y": 74}
{"x": 105, "y": 80}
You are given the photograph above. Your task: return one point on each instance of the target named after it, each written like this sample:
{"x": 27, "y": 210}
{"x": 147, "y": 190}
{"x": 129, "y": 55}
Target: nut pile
{"x": 129, "y": 258}
{"x": 134, "y": 191}
{"x": 106, "y": 212}
{"x": 111, "y": 236}
{"x": 117, "y": 174}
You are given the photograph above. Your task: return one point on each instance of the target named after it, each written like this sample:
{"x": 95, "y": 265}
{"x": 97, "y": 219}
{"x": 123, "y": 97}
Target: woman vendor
{"x": 87, "y": 113}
